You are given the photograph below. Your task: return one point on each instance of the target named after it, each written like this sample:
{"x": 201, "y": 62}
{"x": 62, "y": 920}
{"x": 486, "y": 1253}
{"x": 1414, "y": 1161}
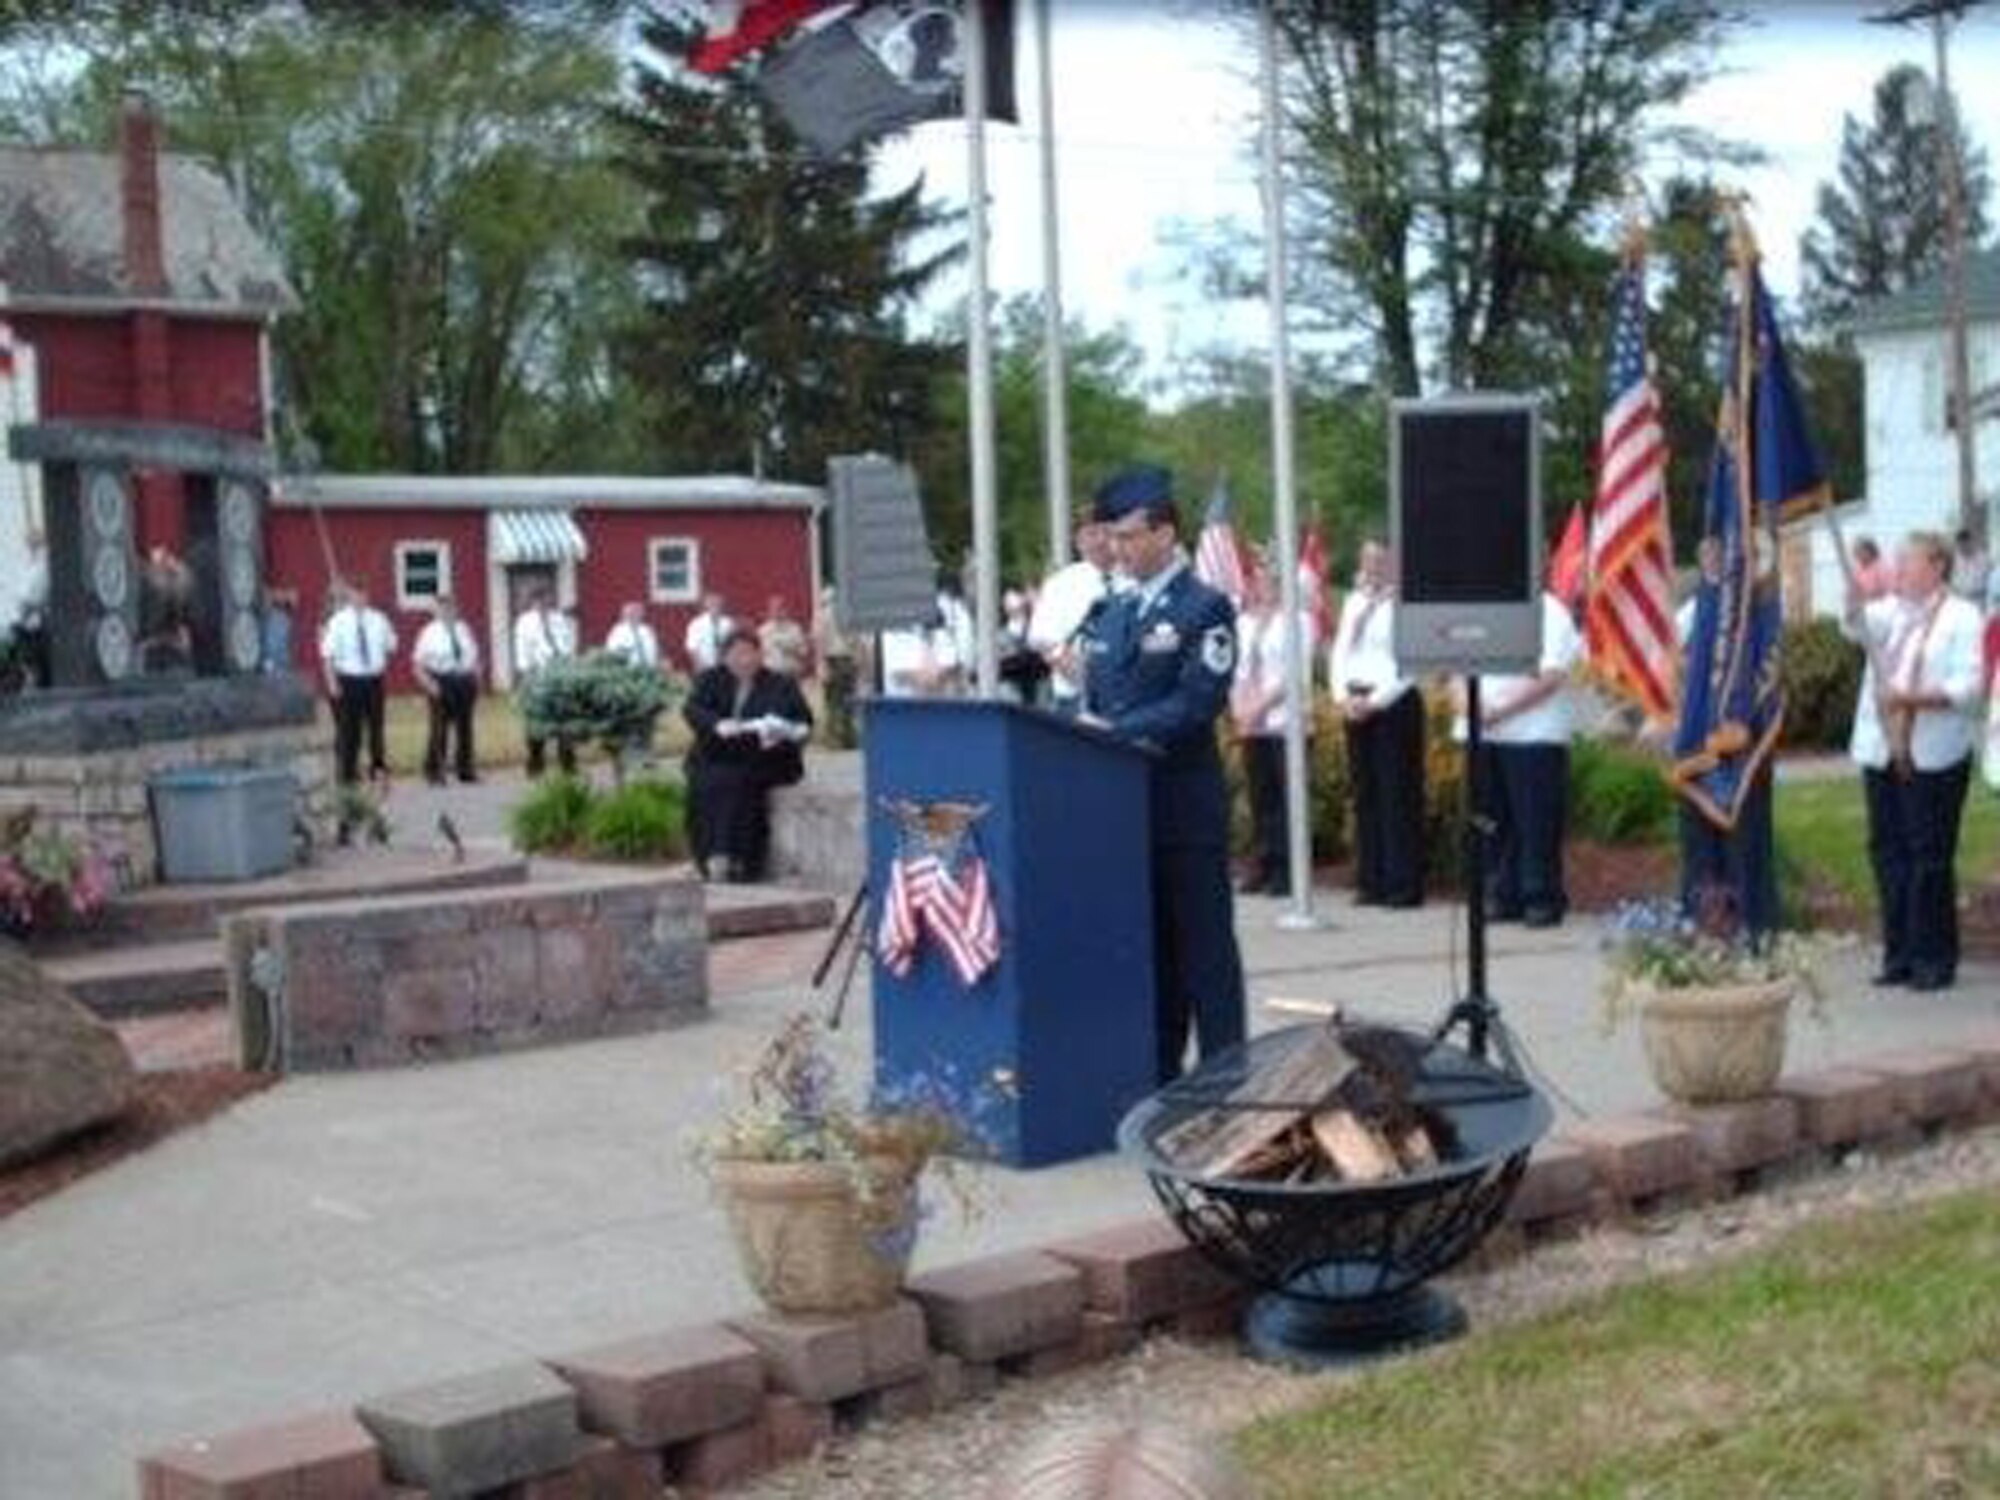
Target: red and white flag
{"x": 1314, "y": 571}
{"x": 1569, "y": 564}
{"x": 956, "y": 912}
{"x": 1634, "y": 649}
{"x": 6, "y": 350}
{"x": 736, "y": 28}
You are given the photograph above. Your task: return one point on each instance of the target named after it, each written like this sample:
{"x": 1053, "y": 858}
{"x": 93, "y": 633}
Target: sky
{"x": 1156, "y": 116}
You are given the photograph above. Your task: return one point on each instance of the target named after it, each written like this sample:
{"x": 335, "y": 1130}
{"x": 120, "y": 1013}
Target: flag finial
{"x": 1632, "y": 236}
{"x": 1742, "y": 239}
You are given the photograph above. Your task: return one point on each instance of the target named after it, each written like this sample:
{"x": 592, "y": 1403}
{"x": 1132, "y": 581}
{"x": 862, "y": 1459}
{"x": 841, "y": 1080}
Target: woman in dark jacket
{"x": 749, "y": 729}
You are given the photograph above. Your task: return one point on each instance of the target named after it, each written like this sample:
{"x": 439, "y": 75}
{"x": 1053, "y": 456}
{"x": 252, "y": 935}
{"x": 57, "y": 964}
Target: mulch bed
{"x": 162, "y": 1104}
{"x": 1598, "y": 876}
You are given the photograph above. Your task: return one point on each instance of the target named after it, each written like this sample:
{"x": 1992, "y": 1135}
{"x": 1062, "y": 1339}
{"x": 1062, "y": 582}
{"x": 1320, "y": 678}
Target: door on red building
{"x": 524, "y": 582}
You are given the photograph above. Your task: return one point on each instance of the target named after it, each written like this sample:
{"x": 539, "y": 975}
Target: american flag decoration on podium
{"x": 938, "y": 888}
{"x": 1630, "y": 620}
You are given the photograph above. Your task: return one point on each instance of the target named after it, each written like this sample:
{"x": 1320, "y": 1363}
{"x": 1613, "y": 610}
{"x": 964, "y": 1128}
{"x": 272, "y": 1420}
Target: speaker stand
{"x": 1476, "y": 1010}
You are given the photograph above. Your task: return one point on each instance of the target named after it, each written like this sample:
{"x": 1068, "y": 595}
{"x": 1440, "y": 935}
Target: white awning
{"x": 535, "y": 536}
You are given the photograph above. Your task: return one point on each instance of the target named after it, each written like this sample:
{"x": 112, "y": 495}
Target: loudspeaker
{"x": 93, "y": 609}
{"x": 225, "y": 552}
{"x": 1465, "y": 477}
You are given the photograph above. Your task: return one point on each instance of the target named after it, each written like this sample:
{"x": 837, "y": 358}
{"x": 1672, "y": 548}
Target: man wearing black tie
{"x": 354, "y": 649}
{"x": 541, "y": 636}
{"x": 446, "y": 662}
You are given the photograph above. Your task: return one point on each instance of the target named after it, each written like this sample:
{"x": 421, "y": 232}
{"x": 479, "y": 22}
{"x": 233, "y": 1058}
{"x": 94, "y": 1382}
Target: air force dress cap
{"x": 1142, "y": 487}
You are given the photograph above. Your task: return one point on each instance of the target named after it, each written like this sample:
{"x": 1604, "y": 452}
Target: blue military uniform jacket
{"x": 1158, "y": 671}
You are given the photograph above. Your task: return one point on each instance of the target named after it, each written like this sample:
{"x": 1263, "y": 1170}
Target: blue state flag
{"x": 1765, "y": 469}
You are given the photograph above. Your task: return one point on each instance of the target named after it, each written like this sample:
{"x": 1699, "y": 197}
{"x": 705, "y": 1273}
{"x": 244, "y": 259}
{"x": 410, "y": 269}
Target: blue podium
{"x": 1058, "y": 1037}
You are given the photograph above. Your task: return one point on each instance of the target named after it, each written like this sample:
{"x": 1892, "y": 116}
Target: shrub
{"x": 642, "y": 820}
{"x": 600, "y": 699}
{"x": 1618, "y": 796}
{"x": 551, "y": 816}
{"x": 1820, "y": 670}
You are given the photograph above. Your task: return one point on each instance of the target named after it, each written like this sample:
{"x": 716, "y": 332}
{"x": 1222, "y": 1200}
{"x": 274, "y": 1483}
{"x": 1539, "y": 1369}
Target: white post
{"x": 1055, "y": 379}
{"x": 1285, "y": 522}
{"x": 979, "y": 366}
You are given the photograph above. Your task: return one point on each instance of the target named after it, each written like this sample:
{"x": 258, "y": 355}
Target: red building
{"x": 598, "y": 542}
{"x": 132, "y": 287}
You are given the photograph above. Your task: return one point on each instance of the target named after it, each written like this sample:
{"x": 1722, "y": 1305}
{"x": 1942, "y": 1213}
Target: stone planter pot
{"x": 808, "y": 1241}
{"x": 1713, "y": 1046}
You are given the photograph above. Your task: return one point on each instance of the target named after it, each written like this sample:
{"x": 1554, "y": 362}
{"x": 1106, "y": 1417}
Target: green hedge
{"x": 1820, "y": 670}
{"x": 1618, "y": 796}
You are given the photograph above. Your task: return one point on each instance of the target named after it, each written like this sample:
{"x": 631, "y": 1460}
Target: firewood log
{"x": 1358, "y": 1153}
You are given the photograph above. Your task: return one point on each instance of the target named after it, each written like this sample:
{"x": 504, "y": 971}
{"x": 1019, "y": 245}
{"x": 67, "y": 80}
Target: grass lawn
{"x": 1822, "y": 832}
{"x": 1858, "y": 1357}
{"x": 496, "y": 733}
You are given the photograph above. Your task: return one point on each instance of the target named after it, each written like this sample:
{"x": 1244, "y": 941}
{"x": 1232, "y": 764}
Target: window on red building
{"x": 423, "y": 573}
{"x": 673, "y": 569}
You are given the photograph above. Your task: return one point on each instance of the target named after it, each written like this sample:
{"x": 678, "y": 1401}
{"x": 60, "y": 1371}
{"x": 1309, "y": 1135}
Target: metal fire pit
{"x": 1342, "y": 1265}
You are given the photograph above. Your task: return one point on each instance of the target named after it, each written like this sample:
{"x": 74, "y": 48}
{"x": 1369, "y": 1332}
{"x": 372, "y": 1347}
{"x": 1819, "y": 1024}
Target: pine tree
{"x": 777, "y": 292}
{"x": 1881, "y": 221}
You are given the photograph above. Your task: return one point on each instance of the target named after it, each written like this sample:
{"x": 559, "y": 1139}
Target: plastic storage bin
{"x": 223, "y": 822}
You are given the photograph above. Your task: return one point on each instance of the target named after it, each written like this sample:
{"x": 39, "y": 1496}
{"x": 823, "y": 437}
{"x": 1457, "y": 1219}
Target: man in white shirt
{"x": 1384, "y": 716}
{"x": 1526, "y": 722}
{"x": 543, "y": 634}
{"x": 633, "y": 638}
{"x": 355, "y": 645}
{"x": 922, "y": 661}
{"x": 445, "y": 662}
{"x": 1065, "y": 602}
{"x": 705, "y": 634}
{"x": 1913, "y": 739}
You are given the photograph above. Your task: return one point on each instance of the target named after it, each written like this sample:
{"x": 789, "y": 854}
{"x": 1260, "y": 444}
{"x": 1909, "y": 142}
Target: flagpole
{"x": 1298, "y": 833}
{"x": 1055, "y": 377}
{"x": 979, "y": 366}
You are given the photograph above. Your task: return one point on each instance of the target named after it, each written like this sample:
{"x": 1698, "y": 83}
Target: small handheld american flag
{"x": 1218, "y": 553}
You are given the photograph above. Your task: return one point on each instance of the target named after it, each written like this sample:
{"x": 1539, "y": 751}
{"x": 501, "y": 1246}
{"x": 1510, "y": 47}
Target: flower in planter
{"x": 793, "y": 1106}
{"x": 48, "y": 877}
{"x": 1655, "y": 944}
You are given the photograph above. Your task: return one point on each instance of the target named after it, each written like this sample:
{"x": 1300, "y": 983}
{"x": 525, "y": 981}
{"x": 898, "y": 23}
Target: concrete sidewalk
{"x": 341, "y": 1236}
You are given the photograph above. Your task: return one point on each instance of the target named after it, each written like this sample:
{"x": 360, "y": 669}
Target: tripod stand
{"x": 842, "y": 932}
{"x": 1476, "y": 1010}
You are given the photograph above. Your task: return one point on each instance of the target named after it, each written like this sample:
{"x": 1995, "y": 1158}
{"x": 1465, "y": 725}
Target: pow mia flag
{"x": 883, "y": 66}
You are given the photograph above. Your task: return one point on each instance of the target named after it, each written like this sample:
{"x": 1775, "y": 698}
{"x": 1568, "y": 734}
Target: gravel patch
{"x": 1212, "y": 1388}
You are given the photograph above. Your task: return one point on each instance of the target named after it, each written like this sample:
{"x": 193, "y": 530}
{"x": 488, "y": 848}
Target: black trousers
{"x": 1741, "y": 862}
{"x": 1385, "y": 761}
{"x": 451, "y": 718}
{"x": 1198, "y": 970}
{"x": 729, "y": 817}
{"x": 357, "y": 710}
{"x": 1913, "y": 826}
{"x": 1264, "y": 770}
{"x": 1524, "y": 790}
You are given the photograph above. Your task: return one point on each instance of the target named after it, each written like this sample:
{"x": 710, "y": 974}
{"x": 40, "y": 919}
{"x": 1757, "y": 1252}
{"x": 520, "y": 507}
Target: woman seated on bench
{"x": 749, "y": 726}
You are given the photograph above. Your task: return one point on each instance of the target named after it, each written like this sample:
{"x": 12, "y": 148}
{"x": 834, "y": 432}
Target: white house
{"x": 1909, "y": 449}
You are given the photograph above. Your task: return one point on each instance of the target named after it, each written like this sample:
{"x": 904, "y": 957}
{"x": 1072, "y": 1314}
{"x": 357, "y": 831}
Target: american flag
{"x": 1314, "y": 573}
{"x": 1630, "y": 624}
{"x": 6, "y": 349}
{"x": 955, "y": 911}
{"x": 1218, "y": 554}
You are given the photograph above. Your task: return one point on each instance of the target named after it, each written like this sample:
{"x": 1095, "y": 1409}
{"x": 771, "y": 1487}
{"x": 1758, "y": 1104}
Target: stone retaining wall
{"x": 101, "y": 794}
{"x": 717, "y": 1404}
{"x": 365, "y": 983}
{"x": 817, "y": 837}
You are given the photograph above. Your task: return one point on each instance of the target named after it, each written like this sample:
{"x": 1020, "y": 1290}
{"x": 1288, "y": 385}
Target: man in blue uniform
{"x": 1158, "y": 661}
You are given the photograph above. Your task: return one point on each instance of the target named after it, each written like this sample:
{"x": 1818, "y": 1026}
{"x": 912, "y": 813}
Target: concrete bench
{"x": 369, "y": 983}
